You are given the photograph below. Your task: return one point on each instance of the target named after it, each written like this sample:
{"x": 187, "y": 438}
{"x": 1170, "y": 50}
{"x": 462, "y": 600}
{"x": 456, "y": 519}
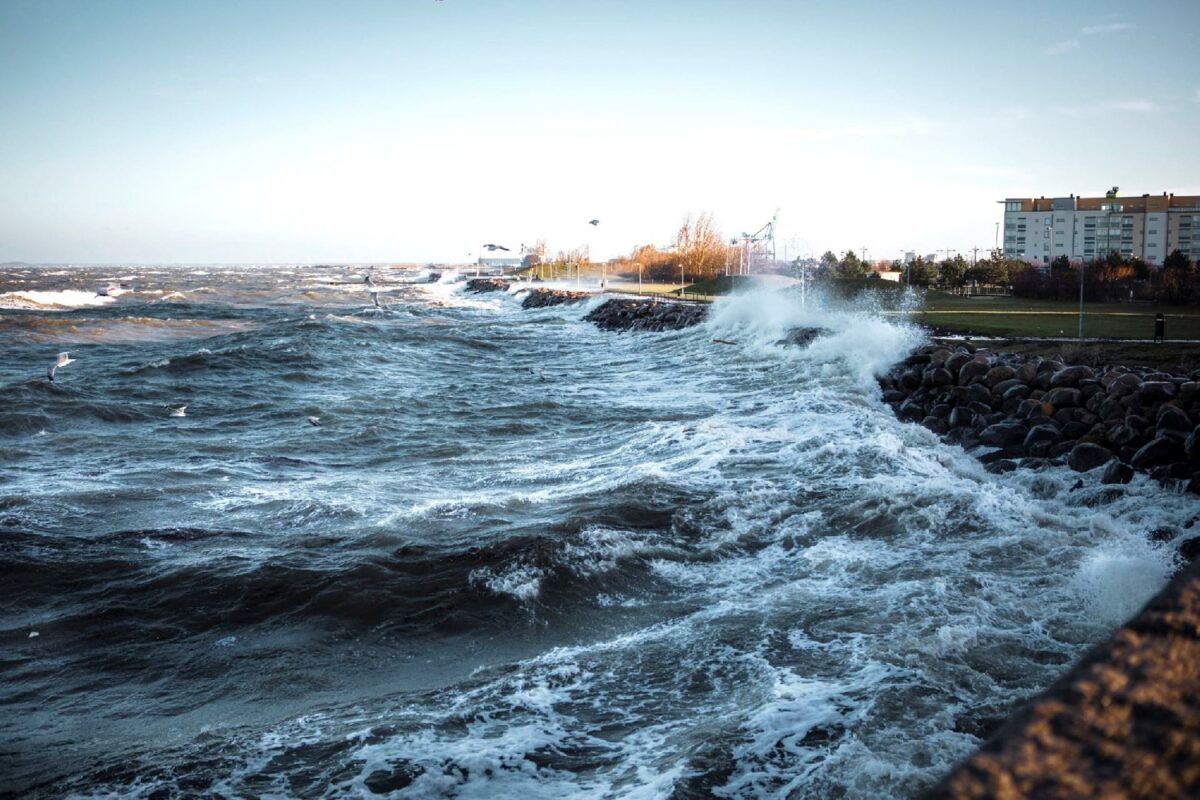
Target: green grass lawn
{"x": 1012, "y": 316}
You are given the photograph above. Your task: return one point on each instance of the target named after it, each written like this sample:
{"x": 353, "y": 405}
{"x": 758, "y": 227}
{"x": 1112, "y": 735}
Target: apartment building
{"x": 1148, "y": 227}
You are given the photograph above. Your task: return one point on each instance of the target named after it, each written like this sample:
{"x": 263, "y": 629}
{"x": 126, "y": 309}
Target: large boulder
{"x": 1159, "y": 450}
{"x": 1117, "y": 472}
{"x": 1063, "y": 397}
{"x": 1084, "y": 457}
{"x": 999, "y": 374}
{"x": 1049, "y": 434}
{"x": 972, "y": 371}
{"x": 1172, "y": 418}
{"x": 1156, "y": 391}
{"x": 1070, "y": 376}
{"x": 1003, "y": 434}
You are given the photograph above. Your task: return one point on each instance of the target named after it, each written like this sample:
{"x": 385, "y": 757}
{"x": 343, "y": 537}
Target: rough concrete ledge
{"x": 1123, "y": 723}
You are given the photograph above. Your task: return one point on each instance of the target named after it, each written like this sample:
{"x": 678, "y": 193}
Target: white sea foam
{"x": 52, "y": 300}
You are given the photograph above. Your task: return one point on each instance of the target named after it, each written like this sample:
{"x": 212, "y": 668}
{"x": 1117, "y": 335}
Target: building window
{"x": 1012, "y": 205}
{"x": 1152, "y": 232}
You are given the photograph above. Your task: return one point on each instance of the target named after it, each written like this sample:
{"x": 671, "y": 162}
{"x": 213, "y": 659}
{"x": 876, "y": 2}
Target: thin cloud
{"x": 1112, "y": 27}
{"x": 1137, "y": 105}
{"x": 1058, "y": 48}
{"x": 1134, "y": 105}
{"x": 1067, "y": 45}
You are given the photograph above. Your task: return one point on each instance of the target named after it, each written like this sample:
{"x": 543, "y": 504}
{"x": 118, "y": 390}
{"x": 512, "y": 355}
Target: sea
{"x": 261, "y": 538}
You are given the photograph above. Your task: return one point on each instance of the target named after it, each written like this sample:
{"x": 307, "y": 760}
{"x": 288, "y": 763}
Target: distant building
{"x": 1149, "y": 227}
{"x": 500, "y": 262}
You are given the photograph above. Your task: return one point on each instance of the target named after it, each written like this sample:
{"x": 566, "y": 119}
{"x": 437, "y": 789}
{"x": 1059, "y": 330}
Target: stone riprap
{"x": 483, "y": 285}
{"x": 1123, "y": 723}
{"x": 542, "y": 298}
{"x": 1038, "y": 411}
{"x": 646, "y": 315}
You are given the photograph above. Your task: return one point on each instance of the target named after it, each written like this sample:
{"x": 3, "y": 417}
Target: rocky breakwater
{"x": 543, "y": 298}
{"x": 646, "y": 315}
{"x": 1039, "y": 411}
{"x": 483, "y": 285}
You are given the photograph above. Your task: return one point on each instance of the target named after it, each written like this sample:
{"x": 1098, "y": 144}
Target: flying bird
{"x": 314, "y": 421}
{"x": 593, "y": 222}
{"x": 63, "y": 360}
{"x": 493, "y": 247}
{"x": 179, "y": 412}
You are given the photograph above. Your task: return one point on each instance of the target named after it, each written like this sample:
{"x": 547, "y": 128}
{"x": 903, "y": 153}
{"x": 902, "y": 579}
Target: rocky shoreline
{"x": 544, "y": 298}
{"x": 1034, "y": 412}
{"x": 646, "y": 315}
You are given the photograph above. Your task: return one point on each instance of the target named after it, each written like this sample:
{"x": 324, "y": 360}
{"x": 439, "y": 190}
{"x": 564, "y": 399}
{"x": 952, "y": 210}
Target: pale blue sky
{"x": 413, "y": 130}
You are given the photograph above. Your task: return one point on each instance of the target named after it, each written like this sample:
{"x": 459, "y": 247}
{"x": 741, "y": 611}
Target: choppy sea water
{"x": 518, "y": 557}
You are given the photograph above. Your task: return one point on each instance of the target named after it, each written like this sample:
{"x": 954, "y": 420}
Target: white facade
{"x": 1041, "y": 230}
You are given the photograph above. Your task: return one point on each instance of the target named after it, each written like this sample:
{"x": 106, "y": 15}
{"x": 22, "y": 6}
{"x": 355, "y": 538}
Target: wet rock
{"x": 977, "y": 393}
{"x": 1001, "y": 388}
{"x": 1001, "y": 466}
{"x": 955, "y": 362}
{"x": 940, "y": 376}
{"x": 1063, "y": 397}
{"x": 484, "y": 285}
{"x": 542, "y": 298}
{"x": 941, "y": 410}
{"x": 1086, "y": 457}
{"x": 1191, "y": 445}
{"x": 1171, "y": 418}
{"x": 1117, "y": 472}
{"x": 972, "y": 371}
{"x": 643, "y": 315}
{"x": 1070, "y": 376}
{"x": 935, "y": 424}
{"x": 1003, "y": 434}
{"x": 1155, "y": 452}
{"x": 1156, "y": 391}
{"x": 1190, "y": 548}
{"x": 802, "y": 337}
{"x": 998, "y": 374}
{"x": 1049, "y": 434}
{"x": 961, "y": 417}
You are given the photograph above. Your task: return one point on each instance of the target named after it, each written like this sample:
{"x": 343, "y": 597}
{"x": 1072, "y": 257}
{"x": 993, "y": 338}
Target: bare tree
{"x": 700, "y": 247}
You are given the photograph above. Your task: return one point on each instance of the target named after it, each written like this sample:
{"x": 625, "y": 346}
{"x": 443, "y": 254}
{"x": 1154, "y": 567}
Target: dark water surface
{"x": 517, "y": 557}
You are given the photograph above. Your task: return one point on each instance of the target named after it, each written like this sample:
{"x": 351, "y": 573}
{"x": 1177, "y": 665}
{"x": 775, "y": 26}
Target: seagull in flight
{"x": 179, "y": 412}
{"x": 314, "y": 421}
{"x": 593, "y": 222}
{"x": 494, "y": 247}
{"x": 63, "y": 360}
